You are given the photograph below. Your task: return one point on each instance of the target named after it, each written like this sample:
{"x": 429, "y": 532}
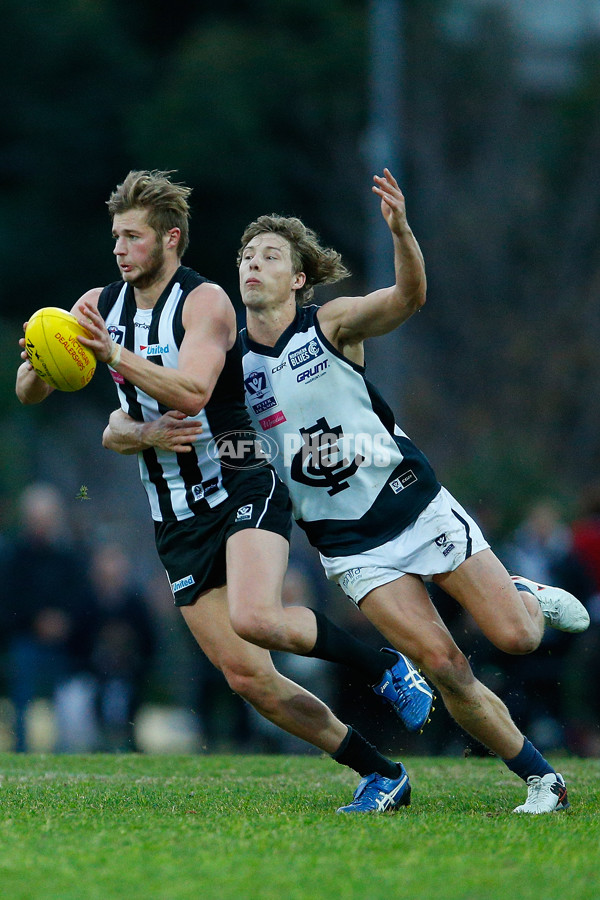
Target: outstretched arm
{"x": 347, "y": 321}
{"x": 172, "y": 431}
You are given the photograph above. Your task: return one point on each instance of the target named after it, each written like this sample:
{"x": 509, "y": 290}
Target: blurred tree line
{"x": 262, "y": 106}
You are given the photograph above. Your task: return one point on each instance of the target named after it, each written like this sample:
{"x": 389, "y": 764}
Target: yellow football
{"x": 54, "y": 351}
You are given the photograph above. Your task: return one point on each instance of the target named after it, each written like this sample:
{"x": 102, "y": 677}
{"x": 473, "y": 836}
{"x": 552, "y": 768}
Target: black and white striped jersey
{"x": 179, "y": 485}
{"x": 355, "y": 478}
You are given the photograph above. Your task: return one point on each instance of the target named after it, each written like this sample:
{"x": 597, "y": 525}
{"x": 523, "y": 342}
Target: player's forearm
{"x": 169, "y": 386}
{"x": 124, "y": 434}
{"x": 409, "y": 265}
{"x": 29, "y": 387}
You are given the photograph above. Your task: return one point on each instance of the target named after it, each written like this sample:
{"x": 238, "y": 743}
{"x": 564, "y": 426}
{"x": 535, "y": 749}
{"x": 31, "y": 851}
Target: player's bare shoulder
{"x": 334, "y": 319}
{"x": 92, "y": 296}
{"x": 208, "y": 307}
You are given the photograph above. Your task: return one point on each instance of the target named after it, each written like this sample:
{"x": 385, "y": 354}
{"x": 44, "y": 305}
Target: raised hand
{"x": 393, "y": 207}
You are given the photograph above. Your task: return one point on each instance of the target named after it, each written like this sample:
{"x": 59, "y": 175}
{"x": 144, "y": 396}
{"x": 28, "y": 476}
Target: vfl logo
{"x": 305, "y": 354}
{"x": 318, "y": 462}
{"x": 257, "y": 384}
{"x": 117, "y": 333}
{"x": 444, "y": 544}
{"x": 244, "y": 513}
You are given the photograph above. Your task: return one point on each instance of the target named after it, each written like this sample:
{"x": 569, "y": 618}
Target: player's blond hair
{"x": 166, "y": 202}
{"x": 321, "y": 265}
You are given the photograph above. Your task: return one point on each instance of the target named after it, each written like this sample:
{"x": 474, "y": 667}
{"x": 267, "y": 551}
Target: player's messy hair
{"x": 166, "y": 202}
{"x": 321, "y": 265}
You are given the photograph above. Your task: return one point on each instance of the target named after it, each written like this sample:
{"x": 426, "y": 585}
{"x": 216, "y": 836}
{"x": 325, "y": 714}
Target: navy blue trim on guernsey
{"x": 379, "y": 524}
{"x": 468, "y": 533}
{"x": 299, "y": 324}
{"x": 382, "y": 522}
{"x": 349, "y": 538}
{"x": 311, "y": 315}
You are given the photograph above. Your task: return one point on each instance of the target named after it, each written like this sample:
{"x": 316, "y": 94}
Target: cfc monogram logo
{"x": 320, "y": 461}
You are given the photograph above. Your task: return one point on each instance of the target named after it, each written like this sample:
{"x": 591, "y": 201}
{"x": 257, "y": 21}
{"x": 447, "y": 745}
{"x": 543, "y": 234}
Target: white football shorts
{"x": 439, "y": 540}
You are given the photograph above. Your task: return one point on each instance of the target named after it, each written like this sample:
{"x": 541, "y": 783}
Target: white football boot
{"x": 561, "y": 609}
{"x": 545, "y": 793}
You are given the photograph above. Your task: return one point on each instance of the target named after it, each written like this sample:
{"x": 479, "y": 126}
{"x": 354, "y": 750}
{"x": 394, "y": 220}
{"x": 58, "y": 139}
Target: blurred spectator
{"x": 539, "y": 543}
{"x": 47, "y": 611}
{"x": 542, "y": 548}
{"x": 536, "y": 686}
{"x": 582, "y": 674}
{"x": 586, "y": 536}
{"x": 123, "y": 647}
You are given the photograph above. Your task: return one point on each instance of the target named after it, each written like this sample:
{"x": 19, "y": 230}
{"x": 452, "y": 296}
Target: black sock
{"x": 336, "y": 645}
{"x": 363, "y": 757}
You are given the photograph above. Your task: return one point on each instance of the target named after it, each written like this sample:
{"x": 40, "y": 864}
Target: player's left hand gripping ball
{"x": 54, "y": 351}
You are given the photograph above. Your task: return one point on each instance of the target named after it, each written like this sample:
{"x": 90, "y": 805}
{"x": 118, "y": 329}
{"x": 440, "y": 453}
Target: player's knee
{"x": 448, "y": 668}
{"x": 518, "y": 641}
{"x": 257, "y": 688}
{"x": 260, "y": 630}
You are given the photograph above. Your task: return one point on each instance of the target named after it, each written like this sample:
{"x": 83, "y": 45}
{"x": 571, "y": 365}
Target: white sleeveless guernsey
{"x": 356, "y": 480}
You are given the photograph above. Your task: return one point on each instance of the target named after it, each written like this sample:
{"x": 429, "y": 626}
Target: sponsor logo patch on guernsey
{"x": 188, "y": 581}
{"x": 403, "y": 481}
{"x": 305, "y": 354}
{"x": 156, "y": 349}
{"x": 271, "y": 421}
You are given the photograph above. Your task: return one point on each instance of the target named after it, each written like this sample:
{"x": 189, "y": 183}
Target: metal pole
{"x": 384, "y": 147}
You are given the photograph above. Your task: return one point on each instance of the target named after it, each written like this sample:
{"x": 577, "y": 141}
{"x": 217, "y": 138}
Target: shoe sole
{"x": 554, "y": 593}
{"x": 558, "y": 808}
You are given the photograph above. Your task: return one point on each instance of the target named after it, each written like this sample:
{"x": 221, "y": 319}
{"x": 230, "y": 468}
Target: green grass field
{"x": 225, "y": 827}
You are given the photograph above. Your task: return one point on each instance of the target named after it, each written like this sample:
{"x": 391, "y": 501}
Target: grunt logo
{"x": 312, "y": 372}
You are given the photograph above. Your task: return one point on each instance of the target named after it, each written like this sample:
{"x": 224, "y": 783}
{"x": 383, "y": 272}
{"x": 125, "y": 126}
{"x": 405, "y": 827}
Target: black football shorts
{"x": 193, "y": 550}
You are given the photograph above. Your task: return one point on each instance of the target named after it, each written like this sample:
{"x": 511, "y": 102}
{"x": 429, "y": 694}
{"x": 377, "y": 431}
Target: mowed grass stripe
{"x": 221, "y": 827}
